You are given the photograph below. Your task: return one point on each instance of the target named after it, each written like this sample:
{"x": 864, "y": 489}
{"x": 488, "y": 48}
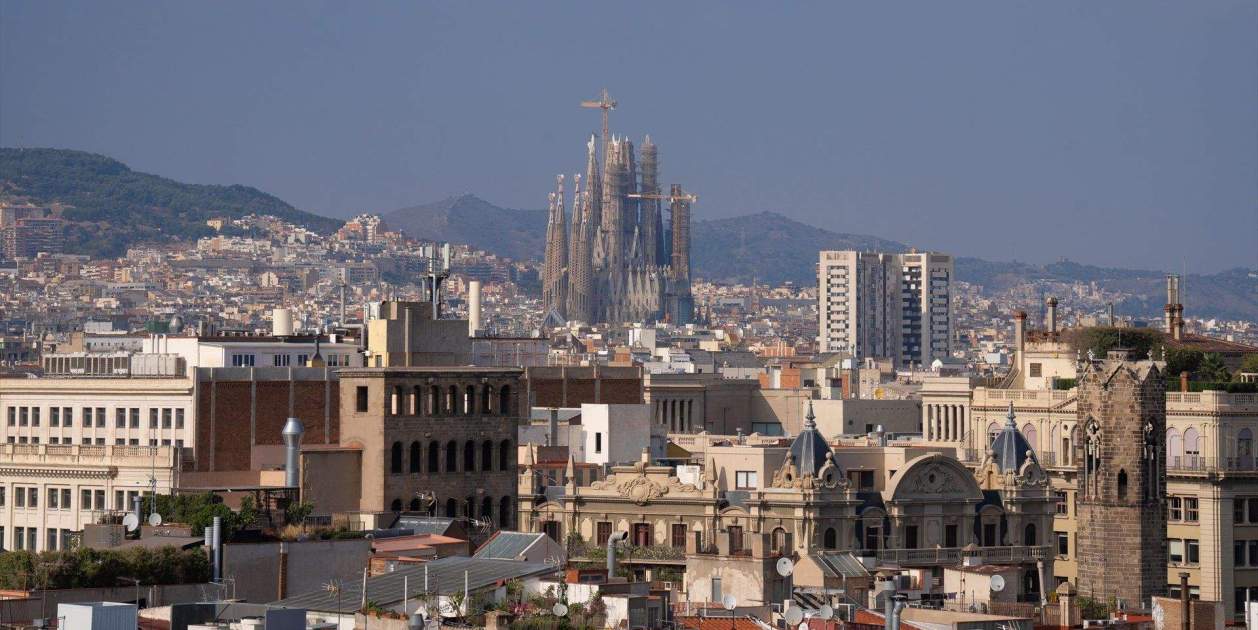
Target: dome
{"x": 1010, "y": 450}
{"x": 809, "y": 450}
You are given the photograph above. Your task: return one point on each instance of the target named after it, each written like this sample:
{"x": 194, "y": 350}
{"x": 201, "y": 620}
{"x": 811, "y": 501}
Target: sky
{"x": 1119, "y": 133}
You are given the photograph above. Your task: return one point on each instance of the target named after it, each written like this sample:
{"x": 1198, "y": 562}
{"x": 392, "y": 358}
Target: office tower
{"x": 893, "y": 306}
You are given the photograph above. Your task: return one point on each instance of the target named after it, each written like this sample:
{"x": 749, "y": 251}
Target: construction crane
{"x": 606, "y": 104}
{"x": 679, "y": 196}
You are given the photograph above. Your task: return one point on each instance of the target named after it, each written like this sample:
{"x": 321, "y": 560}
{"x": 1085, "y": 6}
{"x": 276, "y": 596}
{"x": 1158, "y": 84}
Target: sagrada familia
{"x": 618, "y": 262}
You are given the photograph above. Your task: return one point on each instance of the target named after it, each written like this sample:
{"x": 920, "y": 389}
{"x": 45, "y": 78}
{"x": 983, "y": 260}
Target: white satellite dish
{"x": 559, "y": 610}
{"x": 826, "y": 611}
{"x": 998, "y": 583}
{"x": 729, "y": 602}
{"x": 793, "y": 616}
{"x": 131, "y": 522}
{"x": 155, "y": 519}
{"x": 785, "y": 567}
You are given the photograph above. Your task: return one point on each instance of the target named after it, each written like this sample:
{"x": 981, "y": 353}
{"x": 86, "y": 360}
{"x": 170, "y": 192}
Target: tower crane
{"x": 606, "y": 104}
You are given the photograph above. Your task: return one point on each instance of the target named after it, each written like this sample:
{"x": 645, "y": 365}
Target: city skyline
{"x": 1076, "y": 140}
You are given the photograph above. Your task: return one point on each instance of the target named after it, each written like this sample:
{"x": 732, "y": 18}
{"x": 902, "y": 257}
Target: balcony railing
{"x": 953, "y": 555}
{"x": 1198, "y": 464}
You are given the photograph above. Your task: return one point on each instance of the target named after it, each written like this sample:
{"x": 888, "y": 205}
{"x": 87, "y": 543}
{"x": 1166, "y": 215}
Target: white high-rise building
{"x": 895, "y": 306}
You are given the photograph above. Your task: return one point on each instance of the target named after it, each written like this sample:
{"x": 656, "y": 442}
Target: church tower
{"x": 1121, "y": 452}
{"x": 555, "y": 269}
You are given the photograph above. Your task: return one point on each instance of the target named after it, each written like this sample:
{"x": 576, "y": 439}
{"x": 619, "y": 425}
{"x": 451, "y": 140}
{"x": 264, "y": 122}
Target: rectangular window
{"x": 746, "y": 480}
{"x": 1063, "y": 544}
{"x": 1238, "y": 553}
{"x": 1192, "y": 551}
{"x": 166, "y": 418}
{"x": 153, "y": 418}
{"x": 31, "y": 534}
{"x": 1253, "y": 553}
{"x": 135, "y": 418}
{"x": 866, "y": 480}
{"x": 12, "y": 416}
{"x": 120, "y": 418}
{"x": 1175, "y": 550}
{"x": 35, "y": 416}
{"x": 100, "y": 417}
{"x": 598, "y": 442}
{"x": 735, "y": 539}
{"x": 910, "y": 537}
{"x": 1174, "y": 509}
{"x": 54, "y": 416}
{"x": 32, "y": 498}
{"x": 53, "y": 499}
{"x": 679, "y": 535}
{"x": 603, "y": 531}
{"x": 52, "y": 540}
{"x": 99, "y": 495}
{"x": 120, "y": 500}
{"x": 303, "y": 359}
{"x": 2, "y": 489}
{"x": 950, "y": 535}
{"x": 243, "y": 360}
{"x": 67, "y": 416}
{"x": 22, "y": 417}
{"x": 179, "y": 418}
{"x": 85, "y": 499}
{"x": 360, "y": 398}
{"x": 281, "y": 360}
{"x": 1252, "y": 510}
{"x": 100, "y": 441}
{"x": 19, "y": 541}
{"x": 716, "y": 589}
{"x": 1062, "y": 506}
{"x": 1037, "y": 370}
{"x": 1190, "y": 509}
{"x": 87, "y": 416}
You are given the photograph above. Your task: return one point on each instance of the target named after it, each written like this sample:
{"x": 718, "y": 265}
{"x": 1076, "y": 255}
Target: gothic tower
{"x": 1121, "y": 475}
{"x": 555, "y": 269}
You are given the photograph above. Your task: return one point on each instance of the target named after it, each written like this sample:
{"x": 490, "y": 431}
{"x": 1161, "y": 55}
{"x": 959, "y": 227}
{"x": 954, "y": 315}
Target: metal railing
{"x": 954, "y": 555}
{"x": 1196, "y": 463}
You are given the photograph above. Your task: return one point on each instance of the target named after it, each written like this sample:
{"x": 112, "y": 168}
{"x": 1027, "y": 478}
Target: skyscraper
{"x": 895, "y": 306}
{"x": 614, "y": 263}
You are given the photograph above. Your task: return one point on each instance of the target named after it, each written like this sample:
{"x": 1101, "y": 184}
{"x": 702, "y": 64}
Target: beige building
{"x": 723, "y": 524}
{"x": 1212, "y": 474}
{"x": 75, "y": 446}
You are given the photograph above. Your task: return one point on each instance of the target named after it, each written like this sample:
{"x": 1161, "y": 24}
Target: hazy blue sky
{"x": 1117, "y": 133}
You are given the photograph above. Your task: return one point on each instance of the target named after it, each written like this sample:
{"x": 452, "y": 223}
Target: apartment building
{"x": 1210, "y": 465}
{"x": 894, "y": 306}
{"x": 86, "y": 441}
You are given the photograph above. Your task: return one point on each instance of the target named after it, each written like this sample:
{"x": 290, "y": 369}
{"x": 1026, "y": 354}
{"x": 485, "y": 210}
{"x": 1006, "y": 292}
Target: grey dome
{"x": 809, "y": 450}
{"x": 1010, "y": 450}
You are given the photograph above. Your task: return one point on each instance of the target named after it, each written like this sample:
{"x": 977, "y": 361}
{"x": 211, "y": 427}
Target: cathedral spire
{"x": 555, "y": 271}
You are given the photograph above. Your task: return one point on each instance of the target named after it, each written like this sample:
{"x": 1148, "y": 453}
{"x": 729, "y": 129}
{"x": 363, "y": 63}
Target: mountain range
{"x": 110, "y": 207}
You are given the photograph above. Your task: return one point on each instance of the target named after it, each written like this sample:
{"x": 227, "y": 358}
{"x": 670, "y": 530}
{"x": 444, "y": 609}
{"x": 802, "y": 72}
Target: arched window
{"x": 487, "y": 509}
{"x": 504, "y": 400}
{"x": 831, "y": 539}
{"x": 1029, "y": 433}
{"x": 452, "y": 456}
{"x": 1122, "y": 484}
{"x": 469, "y": 456}
{"x": 434, "y": 456}
{"x": 395, "y": 458}
{"x": 487, "y": 455}
{"x": 505, "y": 513}
{"x": 504, "y": 455}
{"x": 1070, "y": 444}
{"x": 415, "y": 452}
{"x": 1174, "y": 448}
{"x": 452, "y": 400}
{"x": 469, "y": 507}
{"x": 486, "y": 397}
{"x": 992, "y": 430}
{"x": 469, "y": 401}
{"x": 396, "y": 506}
{"x": 396, "y": 403}
{"x": 417, "y": 400}
{"x": 779, "y": 541}
{"x": 434, "y": 401}
{"x": 452, "y": 507}
{"x": 1245, "y": 448}
{"x": 1192, "y": 446}
{"x": 415, "y": 504}
{"x": 1052, "y": 444}
{"x": 1028, "y": 535}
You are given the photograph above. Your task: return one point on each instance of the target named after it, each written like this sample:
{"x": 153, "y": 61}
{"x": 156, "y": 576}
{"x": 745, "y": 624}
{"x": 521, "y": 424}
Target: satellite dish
{"x": 785, "y": 567}
{"x": 998, "y": 583}
{"x": 131, "y": 522}
{"x": 826, "y": 611}
{"x": 155, "y": 519}
{"x": 729, "y": 602}
{"x": 559, "y": 610}
{"x": 793, "y": 616}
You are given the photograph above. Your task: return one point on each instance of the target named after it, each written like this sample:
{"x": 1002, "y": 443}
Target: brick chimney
{"x": 1051, "y": 323}
{"x": 1019, "y": 332}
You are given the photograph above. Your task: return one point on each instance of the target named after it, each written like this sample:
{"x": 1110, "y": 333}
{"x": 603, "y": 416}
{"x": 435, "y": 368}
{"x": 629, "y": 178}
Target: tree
{"x": 1213, "y": 369}
{"x": 1250, "y": 365}
{"x": 1101, "y": 339}
{"x": 1180, "y": 360}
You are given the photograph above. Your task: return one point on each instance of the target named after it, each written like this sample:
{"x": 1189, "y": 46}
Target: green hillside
{"x": 110, "y": 207}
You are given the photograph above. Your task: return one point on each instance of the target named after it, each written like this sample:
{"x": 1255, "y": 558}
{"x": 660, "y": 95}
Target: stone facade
{"x": 436, "y": 440}
{"x": 1120, "y": 463}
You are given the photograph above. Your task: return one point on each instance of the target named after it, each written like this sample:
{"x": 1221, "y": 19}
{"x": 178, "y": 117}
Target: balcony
{"x": 953, "y": 555}
{"x": 1193, "y": 464}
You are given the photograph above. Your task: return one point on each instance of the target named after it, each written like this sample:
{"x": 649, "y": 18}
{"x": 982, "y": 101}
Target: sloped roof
{"x": 809, "y": 449}
{"x": 1010, "y": 449}
{"x": 506, "y": 545}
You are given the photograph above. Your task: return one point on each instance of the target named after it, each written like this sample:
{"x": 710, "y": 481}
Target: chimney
{"x": 1019, "y": 332}
{"x": 1183, "y": 381}
{"x": 1051, "y": 323}
{"x": 473, "y": 307}
{"x": 617, "y": 537}
{"x": 293, "y": 430}
{"x": 216, "y": 549}
{"x": 1178, "y": 332}
{"x": 283, "y": 571}
{"x": 1185, "y": 620}
{"x": 281, "y": 322}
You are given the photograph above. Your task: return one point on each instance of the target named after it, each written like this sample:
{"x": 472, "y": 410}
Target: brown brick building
{"x": 1121, "y": 474}
{"x": 574, "y": 386}
{"x": 439, "y": 440}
